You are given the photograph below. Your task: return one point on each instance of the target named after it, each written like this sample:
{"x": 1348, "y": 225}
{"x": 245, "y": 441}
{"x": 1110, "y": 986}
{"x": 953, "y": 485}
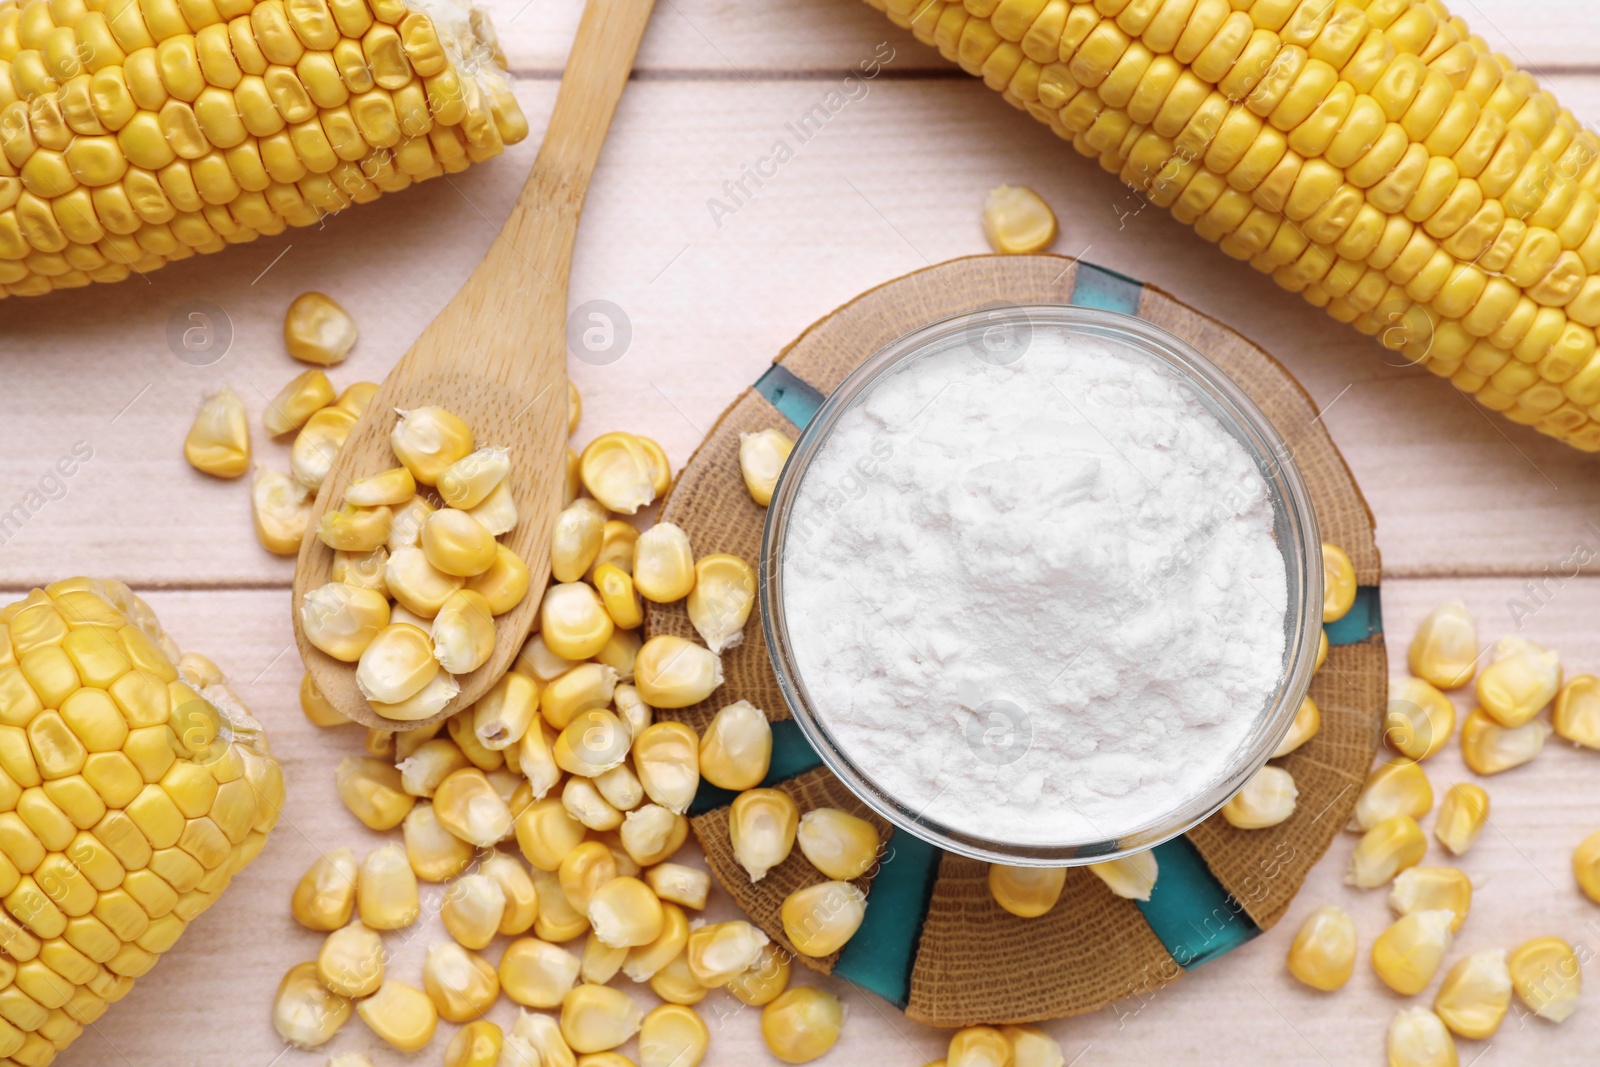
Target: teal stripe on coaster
{"x": 1097, "y": 287}
{"x": 796, "y": 399}
{"x": 792, "y": 754}
{"x": 1363, "y": 620}
{"x": 1189, "y": 910}
{"x": 881, "y": 954}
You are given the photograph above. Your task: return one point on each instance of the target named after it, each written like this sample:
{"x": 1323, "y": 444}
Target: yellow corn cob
{"x": 1371, "y": 155}
{"x": 137, "y": 132}
{"x": 132, "y": 792}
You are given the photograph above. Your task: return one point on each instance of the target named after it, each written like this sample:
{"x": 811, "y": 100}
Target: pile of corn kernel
{"x": 1267, "y": 799}
{"x": 1503, "y": 731}
{"x": 441, "y": 565}
{"x": 552, "y": 810}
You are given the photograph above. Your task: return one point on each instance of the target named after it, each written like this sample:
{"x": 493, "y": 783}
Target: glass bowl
{"x": 1001, "y": 335}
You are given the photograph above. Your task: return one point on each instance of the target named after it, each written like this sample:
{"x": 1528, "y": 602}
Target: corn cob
{"x": 137, "y": 132}
{"x": 1371, "y": 155}
{"x": 132, "y": 791}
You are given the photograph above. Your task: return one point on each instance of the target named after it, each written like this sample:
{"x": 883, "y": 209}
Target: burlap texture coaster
{"x": 1092, "y": 948}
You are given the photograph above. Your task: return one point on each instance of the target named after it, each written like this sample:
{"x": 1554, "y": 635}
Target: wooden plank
{"x": 210, "y": 997}
{"x": 738, "y": 40}
{"x": 714, "y": 281}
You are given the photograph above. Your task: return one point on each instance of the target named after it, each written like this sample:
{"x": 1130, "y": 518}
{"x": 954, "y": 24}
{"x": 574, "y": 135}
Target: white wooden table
{"x": 1466, "y": 507}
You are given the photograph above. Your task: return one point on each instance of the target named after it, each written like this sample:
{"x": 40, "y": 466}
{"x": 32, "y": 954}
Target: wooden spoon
{"x": 496, "y": 356}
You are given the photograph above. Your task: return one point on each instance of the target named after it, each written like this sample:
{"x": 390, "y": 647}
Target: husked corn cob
{"x": 1371, "y": 155}
{"x": 135, "y": 790}
{"x": 134, "y": 134}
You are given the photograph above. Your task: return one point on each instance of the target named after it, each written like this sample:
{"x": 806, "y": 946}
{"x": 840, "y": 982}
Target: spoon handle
{"x": 516, "y": 299}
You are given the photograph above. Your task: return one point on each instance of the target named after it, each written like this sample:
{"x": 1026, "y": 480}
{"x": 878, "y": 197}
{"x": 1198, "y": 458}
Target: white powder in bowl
{"x": 1040, "y": 603}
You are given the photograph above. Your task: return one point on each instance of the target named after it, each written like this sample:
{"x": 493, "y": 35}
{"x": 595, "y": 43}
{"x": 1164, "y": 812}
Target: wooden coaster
{"x": 933, "y": 940}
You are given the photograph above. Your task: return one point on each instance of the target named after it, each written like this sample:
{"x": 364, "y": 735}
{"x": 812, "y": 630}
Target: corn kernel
{"x": 416, "y": 584}
{"x": 342, "y": 619}
{"x": 761, "y": 459}
{"x": 663, "y": 564}
{"x": 1267, "y": 799}
{"x": 840, "y": 845}
{"x": 317, "y": 445}
{"x": 537, "y": 974}
{"x": 396, "y": 664}
{"x": 1475, "y": 995}
{"x": 574, "y": 408}
{"x": 431, "y": 762}
{"x": 522, "y": 899}
{"x": 803, "y": 1023}
{"x": 597, "y": 1018}
{"x": 468, "y": 481}
{"x": 1408, "y": 953}
{"x": 1418, "y": 719}
{"x": 760, "y": 983}
{"x": 1418, "y": 1038}
{"x": 1322, "y": 651}
{"x": 1585, "y": 866}
{"x": 504, "y": 584}
{"x": 673, "y": 1035}
{"x": 467, "y": 805}
{"x": 575, "y": 542}
{"x": 572, "y": 621}
{"x": 1462, "y": 816}
{"x": 583, "y": 870}
{"x": 978, "y": 1046}
{"x": 1385, "y": 850}
{"x": 351, "y": 961}
{"x": 476, "y": 1044}
{"x": 819, "y": 919}
{"x": 371, "y": 790}
{"x": 1444, "y": 651}
{"x": 435, "y": 854}
{"x": 461, "y": 984}
{"x": 1131, "y": 877}
{"x": 581, "y": 799}
{"x": 386, "y": 891}
{"x": 389, "y": 488}
{"x": 472, "y": 909}
{"x": 463, "y": 632}
{"x": 325, "y": 896}
{"x": 428, "y": 440}
{"x": 616, "y": 468}
{"x": 1546, "y": 978}
{"x": 594, "y": 742}
{"x": 400, "y": 1014}
{"x": 666, "y": 758}
{"x": 1338, "y": 583}
{"x": 671, "y": 672}
{"x": 318, "y": 330}
{"x": 302, "y": 397}
{"x": 721, "y": 952}
{"x": 762, "y": 824}
{"x": 676, "y": 984}
{"x": 558, "y": 920}
{"x": 536, "y": 1040}
{"x": 315, "y": 706}
{"x": 1400, "y": 787}
{"x": 1519, "y": 683}
{"x": 624, "y": 911}
{"x": 498, "y": 511}
{"x": 503, "y": 715}
{"x": 586, "y": 687}
{"x": 357, "y": 397}
{"x": 425, "y": 703}
{"x": 617, "y": 542}
{"x": 1576, "y": 717}
{"x": 1430, "y": 889}
{"x": 620, "y": 651}
{"x": 546, "y": 833}
{"x": 219, "y": 441}
{"x": 1033, "y": 1048}
{"x": 280, "y": 509}
{"x": 1017, "y": 221}
{"x": 406, "y": 530}
{"x": 353, "y": 529}
{"x": 617, "y": 595}
{"x": 454, "y": 543}
{"x": 643, "y": 961}
{"x": 600, "y": 962}
{"x": 1026, "y": 892}
{"x": 364, "y": 570}
{"x": 350, "y": 1059}
{"x": 631, "y": 708}
{"x": 651, "y": 834}
{"x": 539, "y": 663}
{"x": 678, "y": 884}
{"x": 1490, "y": 748}
{"x": 1307, "y": 721}
{"x": 1323, "y": 954}
{"x": 304, "y": 1012}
